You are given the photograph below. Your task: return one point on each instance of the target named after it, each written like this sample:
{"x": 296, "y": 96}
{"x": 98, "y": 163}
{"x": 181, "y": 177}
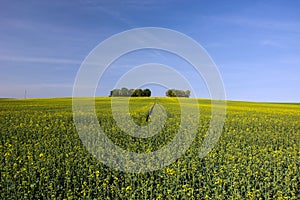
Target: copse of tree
{"x": 141, "y": 93}
{"x": 146, "y": 92}
{"x": 137, "y": 93}
{"x": 125, "y": 92}
{"x": 178, "y": 93}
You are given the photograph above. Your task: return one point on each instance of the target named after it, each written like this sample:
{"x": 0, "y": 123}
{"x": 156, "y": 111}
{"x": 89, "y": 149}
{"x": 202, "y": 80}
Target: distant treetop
{"x": 178, "y": 93}
{"x": 125, "y": 92}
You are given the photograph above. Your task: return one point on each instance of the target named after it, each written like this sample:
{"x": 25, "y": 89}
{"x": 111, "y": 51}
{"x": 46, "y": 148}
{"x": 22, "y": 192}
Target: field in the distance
{"x": 42, "y": 156}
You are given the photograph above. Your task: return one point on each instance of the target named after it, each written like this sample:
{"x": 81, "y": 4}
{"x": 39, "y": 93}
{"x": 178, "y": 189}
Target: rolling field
{"x": 256, "y": 157}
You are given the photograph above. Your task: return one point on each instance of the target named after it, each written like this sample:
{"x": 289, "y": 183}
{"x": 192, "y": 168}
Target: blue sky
{"x": 255, "y": 44}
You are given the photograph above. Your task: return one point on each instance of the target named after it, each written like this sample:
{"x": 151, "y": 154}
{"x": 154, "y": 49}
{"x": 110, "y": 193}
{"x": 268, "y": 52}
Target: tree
{"x": 170, "y": 93}
{"x": 130, "y": 92}
{"x": 146, "y": 92}
{"x": 125, "y": 92}
{"x": 187, "y": 93}
{"x": 115, "y": 93}
{"x": 137, "y": 93}
{"x": 177, "y": 93}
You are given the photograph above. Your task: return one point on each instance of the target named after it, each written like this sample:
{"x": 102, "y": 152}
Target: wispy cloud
{"x": 36, "y": 90}
{"x": 118, "y": 14}
{"x": 39, "y": 60}
{"x": 270, "y": 43}
{"x": 50, "y": 85}
{"x": 291, "y": 60}
{"x": 17, "y": 24}
{"x": 129, "y": 4}
{"x": 258, "y": 23}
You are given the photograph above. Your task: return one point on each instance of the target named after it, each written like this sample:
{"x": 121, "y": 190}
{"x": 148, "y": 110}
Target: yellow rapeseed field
{"x": 256, "y": 157}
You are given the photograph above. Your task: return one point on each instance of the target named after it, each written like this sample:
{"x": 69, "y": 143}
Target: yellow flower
{"x": 218, "y": 181}
{"x": 128, "y": 188}
{"x": 97, "y": 173}
{"x": 170, "y": 171}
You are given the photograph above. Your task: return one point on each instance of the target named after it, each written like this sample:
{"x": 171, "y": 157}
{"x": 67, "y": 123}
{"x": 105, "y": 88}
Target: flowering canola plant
{"x": 256, "y": 157}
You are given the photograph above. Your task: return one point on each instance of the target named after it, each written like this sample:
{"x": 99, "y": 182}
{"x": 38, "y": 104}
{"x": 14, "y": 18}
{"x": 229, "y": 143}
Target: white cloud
{"x": 38, "y": 60}
{"x": 270, "y": 43}
{"x": 258, "y": 23}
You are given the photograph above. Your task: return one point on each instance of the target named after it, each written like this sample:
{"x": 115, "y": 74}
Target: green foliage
{"x": 124, "y": 92}
{"x": 178, "y": 93}
{"x": 42, "y": 156}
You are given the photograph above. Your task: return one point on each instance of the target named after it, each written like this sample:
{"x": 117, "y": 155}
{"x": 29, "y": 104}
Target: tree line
{"x": 125, "y": 92}
{"x": 178, "y": 93}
